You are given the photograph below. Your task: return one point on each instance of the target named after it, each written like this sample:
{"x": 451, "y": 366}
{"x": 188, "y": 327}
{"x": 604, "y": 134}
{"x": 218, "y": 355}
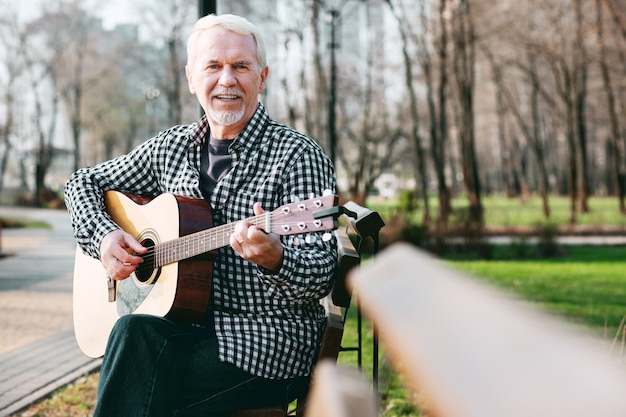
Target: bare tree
{"x": 44, "y": 87}
{"x": 580, "y": 98}
{"x": 369, "y": 145}
{"x": 313, "y": 119}
{"x": 12, "y": 70}
{"x": 617, "y": 14}
{"x": 65, "y": 31}
{"x": 430, "y": 40}
{"x": 69, "y": 30}
{"x": 533, "y": 132}
{"x": 414, "y": 128}
{"x": 439, "y": 125}
{"x": 564, "y": 76}
{"x": 114, "y": 116}
{"x": 618, "y": 168}
{"x": 368, "y": 142}
{"x": 463, "y": 36}
{"x": 167, "y": 22}
{"x": 511, "y": 154}
{"x": 292, "y": 26}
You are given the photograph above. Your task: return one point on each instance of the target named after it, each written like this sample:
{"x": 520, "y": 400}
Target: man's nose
{"x": 227, "y": 77}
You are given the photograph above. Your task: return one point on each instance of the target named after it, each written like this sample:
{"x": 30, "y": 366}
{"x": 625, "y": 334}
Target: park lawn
{"x": 584, "y": 284}
{"x": 500, "y": 211}
{"x": 13, "y": 222}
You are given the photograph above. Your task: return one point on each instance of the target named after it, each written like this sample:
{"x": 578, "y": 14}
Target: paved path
{"x": 38, "y": 353}
{"x": 35, "y": 279}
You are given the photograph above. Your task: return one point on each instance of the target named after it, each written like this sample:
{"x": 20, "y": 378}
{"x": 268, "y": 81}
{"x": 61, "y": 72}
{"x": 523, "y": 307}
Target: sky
{"x": 112, "y": 12}
{"x": 115, "y": 12}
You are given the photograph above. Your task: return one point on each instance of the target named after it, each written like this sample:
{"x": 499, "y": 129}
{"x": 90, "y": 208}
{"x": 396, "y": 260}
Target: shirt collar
{"x": 199, "y": 130}
{"x": 253, "y": 132}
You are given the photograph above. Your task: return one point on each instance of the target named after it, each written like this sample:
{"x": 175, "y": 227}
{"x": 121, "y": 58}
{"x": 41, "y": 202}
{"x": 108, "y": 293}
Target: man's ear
{"x": 189, "y": 76}
{"x": 264, "y": 73}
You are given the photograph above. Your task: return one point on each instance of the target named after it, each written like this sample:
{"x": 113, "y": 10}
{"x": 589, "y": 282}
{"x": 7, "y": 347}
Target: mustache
{"x": 227, "y": 92}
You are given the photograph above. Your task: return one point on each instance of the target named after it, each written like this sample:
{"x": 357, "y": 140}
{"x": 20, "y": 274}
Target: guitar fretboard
{"x": 201, "y": 242}
{"x": 290, "y": 219}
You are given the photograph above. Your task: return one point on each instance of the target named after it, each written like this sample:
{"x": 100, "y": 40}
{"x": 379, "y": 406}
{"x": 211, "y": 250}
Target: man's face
{"x": 225, "y": 76}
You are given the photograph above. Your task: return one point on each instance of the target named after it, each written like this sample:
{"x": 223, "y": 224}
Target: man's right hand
{"x": 116, "y": 254}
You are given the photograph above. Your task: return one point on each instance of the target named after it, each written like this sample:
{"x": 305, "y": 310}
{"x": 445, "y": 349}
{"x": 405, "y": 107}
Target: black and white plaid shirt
{"x": 267, "y": 324}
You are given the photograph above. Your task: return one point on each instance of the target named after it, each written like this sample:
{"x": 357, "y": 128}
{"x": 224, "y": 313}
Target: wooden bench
{"x": 365, "y": 223}
{"x": 474, "y": 351}
{"x": 340, "y": 392}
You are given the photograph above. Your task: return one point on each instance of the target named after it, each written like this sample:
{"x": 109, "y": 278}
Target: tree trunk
{"x": 175, "y": 106}
{"x": 6, "y": 130}
{"x": 439, "y": 129}
{"x": 617, "y": 171}
{"x": 414, "y": 131}
{"x": 464, "y": 70}
{"x": 572, "y": 172}
{"x": 314, "y": 122}
{"x": 580, "y": 100}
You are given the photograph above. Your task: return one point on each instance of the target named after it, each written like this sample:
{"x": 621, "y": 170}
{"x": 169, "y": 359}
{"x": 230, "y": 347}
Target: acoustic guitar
{"x": 174, "y": 279}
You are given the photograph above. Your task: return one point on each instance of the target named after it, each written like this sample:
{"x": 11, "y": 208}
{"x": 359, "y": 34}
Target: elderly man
{"x": 257, "y": 344}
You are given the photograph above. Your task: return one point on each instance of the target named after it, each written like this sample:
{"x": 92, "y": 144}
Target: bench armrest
{"x": 367, "y": 222}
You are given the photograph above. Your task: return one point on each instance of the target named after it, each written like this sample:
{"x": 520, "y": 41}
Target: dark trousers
{"x": 154, "y": 366}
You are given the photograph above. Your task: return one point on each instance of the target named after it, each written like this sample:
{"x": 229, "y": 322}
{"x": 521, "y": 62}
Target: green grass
{"x": 502, "y": 211}
{"x": 15, "y": 222}
{"x": 587, "y": 284}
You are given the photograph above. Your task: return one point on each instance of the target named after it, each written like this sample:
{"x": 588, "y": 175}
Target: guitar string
{"x": 196, "y": 243}
{"x": 161, "y": 250}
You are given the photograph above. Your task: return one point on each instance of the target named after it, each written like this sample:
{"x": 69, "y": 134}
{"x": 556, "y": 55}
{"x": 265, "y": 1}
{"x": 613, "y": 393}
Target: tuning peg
{"x": 327, "y": 192}
{"x": 327, "y": 236}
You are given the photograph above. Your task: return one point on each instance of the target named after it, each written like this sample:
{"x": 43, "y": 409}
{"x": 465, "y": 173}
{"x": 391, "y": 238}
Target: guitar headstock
{"x": 303, "y": 216}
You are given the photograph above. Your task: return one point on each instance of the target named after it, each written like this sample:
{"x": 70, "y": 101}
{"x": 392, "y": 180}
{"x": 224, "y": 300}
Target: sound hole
{"x": 145, "y": 272}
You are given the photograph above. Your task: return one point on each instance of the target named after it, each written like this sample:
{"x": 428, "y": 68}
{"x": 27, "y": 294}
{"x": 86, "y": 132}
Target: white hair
{"x": 230, "y": 22}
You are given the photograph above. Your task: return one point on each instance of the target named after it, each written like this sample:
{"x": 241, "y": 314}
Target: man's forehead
{"x": 220, "y": 45}
{"x": 225, "y": 38}
{"x": 223, "y": 56}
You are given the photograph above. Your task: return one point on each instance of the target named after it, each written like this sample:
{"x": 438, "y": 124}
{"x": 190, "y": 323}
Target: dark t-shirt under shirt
{"x": 215, "y": 164}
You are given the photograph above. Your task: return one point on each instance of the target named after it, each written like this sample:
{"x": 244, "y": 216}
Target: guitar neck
{"x": 204, "y": 241}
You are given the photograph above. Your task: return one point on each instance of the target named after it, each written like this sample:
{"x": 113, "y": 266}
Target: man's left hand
{"x": 256, "y": 246}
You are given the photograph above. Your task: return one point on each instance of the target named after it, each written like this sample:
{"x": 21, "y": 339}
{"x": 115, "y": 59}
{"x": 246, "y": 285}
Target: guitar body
{"x": 180, "y": 290}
